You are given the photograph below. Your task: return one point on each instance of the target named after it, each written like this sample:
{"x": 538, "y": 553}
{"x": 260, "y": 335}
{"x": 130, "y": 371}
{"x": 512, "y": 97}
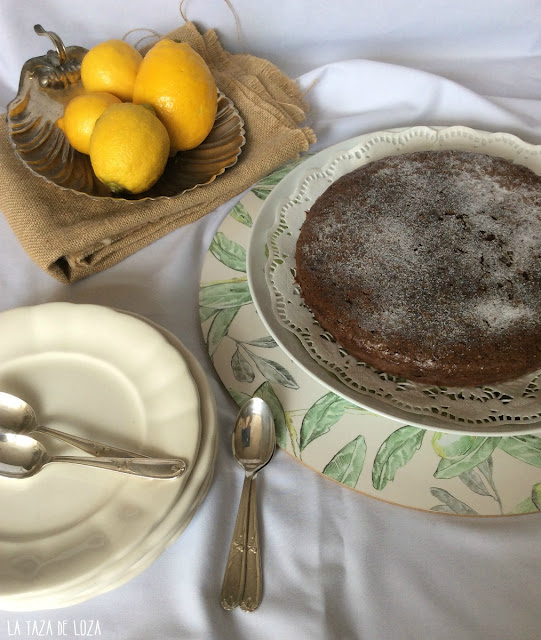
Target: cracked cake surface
{"x": 427, "y": 266}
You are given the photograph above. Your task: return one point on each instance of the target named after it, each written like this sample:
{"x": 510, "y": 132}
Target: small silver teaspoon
{"x": 17, "y": 416}
{"x": 254, "y": 442}
{"x": 22, "y": 456}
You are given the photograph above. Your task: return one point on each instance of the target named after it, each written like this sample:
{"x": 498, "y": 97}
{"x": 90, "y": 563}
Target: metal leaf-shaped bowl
{"x": 49, "y": 82}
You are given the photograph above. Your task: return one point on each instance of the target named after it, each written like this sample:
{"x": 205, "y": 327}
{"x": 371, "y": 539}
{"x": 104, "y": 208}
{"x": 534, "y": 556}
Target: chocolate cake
{"x": 427, "y": 266}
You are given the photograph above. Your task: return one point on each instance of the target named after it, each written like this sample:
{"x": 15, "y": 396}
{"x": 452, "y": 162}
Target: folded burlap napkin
{"x": 71, "y": 236}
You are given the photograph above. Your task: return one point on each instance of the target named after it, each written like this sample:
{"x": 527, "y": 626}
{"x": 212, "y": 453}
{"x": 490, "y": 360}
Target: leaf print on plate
{"x": 240, "y": 214}
{"x": 264, "y": 343}
{"x": 396, "y": 451}
{"x": 205, "y": 313}
{"x": 224, "y": 295}
{"x": 238, "y": 396}
{"x": 532, "y": 503}
{"x": 450, "y": 503}
{"x": 290, "y": 426}
{"x": 536, "y": 495}
{"x": 273, "y": 371}
{"x": 321, "y": 416}
{"x": 263, "y": 188}
{"x": 442, "y": 508}
{"x": 473, "y": 479}
{"x": 219, "y": 328}
{"x": 228, "y": 252}
{"x": 450, "y": 445}
{"x": 347, "y": 465}
{"x": 526, "y": 448}
{"x": 453, "y": 467}
{"x": 242, "y": 369}
{"x": 486, "y": 468}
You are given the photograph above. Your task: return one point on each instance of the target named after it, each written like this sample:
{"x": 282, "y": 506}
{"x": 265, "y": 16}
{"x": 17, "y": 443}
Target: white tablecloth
{"x": 337, "y": 565}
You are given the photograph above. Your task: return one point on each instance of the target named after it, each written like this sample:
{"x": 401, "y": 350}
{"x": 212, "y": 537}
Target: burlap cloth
{"x": 71, "y": 236}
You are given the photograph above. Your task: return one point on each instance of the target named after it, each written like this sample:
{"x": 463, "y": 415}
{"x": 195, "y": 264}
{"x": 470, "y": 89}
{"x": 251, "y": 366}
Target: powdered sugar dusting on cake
{"x": 448, "y": 249}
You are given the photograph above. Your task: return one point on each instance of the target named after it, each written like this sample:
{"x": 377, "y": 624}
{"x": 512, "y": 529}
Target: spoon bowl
{"x": 253, "y": 444}
{"x": 16, "y": 415}
{"x": 22, "y": 457}
{"x": 254, "y": 437}
{"x": 19, "y": 417}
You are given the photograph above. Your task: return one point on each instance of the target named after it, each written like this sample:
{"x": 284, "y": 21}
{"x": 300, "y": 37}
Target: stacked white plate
{"x": 72, "y": 532}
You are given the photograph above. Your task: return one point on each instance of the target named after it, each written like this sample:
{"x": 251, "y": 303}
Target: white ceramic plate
{"x": 510, "y": 408}
{"x": 72, "y": 532}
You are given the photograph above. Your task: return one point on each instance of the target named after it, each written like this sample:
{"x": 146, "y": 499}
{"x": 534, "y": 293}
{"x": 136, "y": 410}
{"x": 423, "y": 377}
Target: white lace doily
{"x": 516, "y": 403}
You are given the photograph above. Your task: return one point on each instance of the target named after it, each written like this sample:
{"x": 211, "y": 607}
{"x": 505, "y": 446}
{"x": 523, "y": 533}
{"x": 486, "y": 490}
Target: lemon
{"x": 177, "y": 82}
{"x": 129, "y": 148}
{"x": 111, "y": 66}
{"x": 80, "y": 116}
{"x": 448, "y": 445}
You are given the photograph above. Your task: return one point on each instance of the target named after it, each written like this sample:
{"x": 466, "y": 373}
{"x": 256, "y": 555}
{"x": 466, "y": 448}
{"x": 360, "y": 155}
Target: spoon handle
{"x": 251, "y": 598}
{"x": 235, "y": 569}
{"x": 146, "y": 467}
{"x": 90, "y": 446}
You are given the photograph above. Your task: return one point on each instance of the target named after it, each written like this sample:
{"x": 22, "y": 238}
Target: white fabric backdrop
{"x": 337, "y": 565}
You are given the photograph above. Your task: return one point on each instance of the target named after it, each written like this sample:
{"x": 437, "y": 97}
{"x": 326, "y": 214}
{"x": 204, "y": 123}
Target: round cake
{"x": 427, "y": 266}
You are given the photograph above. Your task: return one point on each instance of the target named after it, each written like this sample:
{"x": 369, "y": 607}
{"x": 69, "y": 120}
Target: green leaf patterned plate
{"x": 376, "y": 456}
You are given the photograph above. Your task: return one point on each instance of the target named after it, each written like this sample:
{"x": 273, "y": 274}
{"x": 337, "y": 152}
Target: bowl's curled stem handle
{"x": 58, "y": 44}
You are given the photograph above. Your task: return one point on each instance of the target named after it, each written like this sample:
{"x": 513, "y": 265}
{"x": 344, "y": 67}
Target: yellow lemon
{"x": 448, "y": 445}
{"x": 80, "y": 116}
{"x": 177, "y": 82}
{"x": 111, "y": 66}
{"x": 129, "y": 148}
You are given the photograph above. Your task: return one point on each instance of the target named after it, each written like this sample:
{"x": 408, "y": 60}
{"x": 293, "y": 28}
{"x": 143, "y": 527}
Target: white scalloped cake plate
{"x": 452, "y": 474}
{"x": 72, "y": 532}
{"x": 508, "y": 409}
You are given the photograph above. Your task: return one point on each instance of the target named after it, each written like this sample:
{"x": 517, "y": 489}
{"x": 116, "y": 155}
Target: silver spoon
{"x": 17, "y": 416}
{"x": 254, "y": 442}
{"x": 22, "y": 456}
